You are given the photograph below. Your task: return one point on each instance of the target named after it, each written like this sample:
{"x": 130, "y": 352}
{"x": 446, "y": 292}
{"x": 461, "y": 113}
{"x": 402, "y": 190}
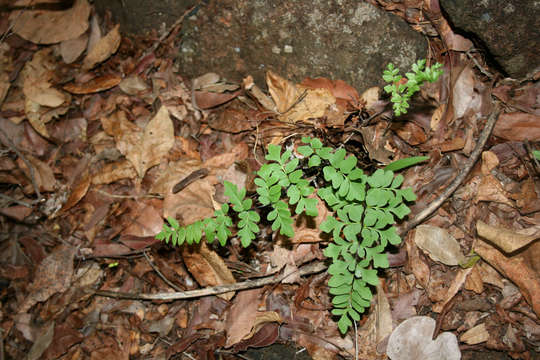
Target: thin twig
{"x": 181, "y": 295}
{"x": 434, "y": 205}
{"x": 13, "y": 200}
{"x": 151, "y": 263}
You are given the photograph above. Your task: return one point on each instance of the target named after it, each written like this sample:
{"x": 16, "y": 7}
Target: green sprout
{"x": 402, "y": 90}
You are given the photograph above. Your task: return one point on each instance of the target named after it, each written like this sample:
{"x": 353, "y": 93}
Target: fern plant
{"x": 364, "y": 209}
{"x": 401, "y": 90}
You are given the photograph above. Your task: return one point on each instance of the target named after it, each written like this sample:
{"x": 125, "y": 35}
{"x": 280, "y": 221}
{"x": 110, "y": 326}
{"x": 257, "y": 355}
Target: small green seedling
{"x": 402, "y": 89}
{"x": 536, "y": 154}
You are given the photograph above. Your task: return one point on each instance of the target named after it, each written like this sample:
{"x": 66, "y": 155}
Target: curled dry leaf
{"x": 95, "y": 85}
{"x": 105, "y": 47}
{"x": 521, "y": 269}
{"x": 507, "y": 240}
{"x": 49, "y": 26}
{"x": 208, "y": 268}
{"x": 438, "y": 244}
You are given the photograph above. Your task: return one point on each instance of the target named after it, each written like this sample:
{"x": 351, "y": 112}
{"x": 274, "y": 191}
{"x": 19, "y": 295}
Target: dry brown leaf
{"x": 95, "y": 85}
{"x": 49, "y": 27}
{"x": 105, "y": 47}
{"x": 519, "y": 268}
{"x": 115, "y": 171}
{"x": 438, "y": 244}
{"x": 453, "y": 288}
{"x": 490, "y": 189}
{"x": 370, "y": 97}
{"x": 475, "y": 335}
{"x": 283, "y": 92}
{"x": 193, "y": 203}
{"x": 147, "y": 223}
{"x": 262, "y": 319}
{"x": 143, "y": 148}
{"x": 518, "y": 126}
{"x": 53, "y": 275}
{"x": 242, "y": 315}
{"x": 489, "y": 162}
{"x": 72, "y": 49}
{"x": 42, "y": 173}
{"x": 208, "y": 268}
{"x": 77, "y": 193}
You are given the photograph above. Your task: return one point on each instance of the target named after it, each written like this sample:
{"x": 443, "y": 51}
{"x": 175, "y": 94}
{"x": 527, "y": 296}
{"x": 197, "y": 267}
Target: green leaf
{"x": 405, "y": 163}
{"x": 316, "y": 143}
{"x": 344, "y": 323}
{"x": 370, "y": 276}
{"x": 380, "y": 178}
{"x": 174, "y": 224}
{"x": 408, "y": 194}
{"x": 305, "y": 150}
{"x": 291, "y": 165}
{"x": 347, "y": 165}
{"x": 350, "y": 231}
{"x": 338, "y": 157}
{"x": 315, "y": 160}
{"x": 401, "y": 211}
{"x": 380, "y": 261}
{"x": 294, "y": 194}
{"x": 536, "y": 154}
{"x": 311, "y": 207}
{"x": 274, "y": 152}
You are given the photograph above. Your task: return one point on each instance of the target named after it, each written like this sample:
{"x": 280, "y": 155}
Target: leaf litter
{"x": 97, "y": 129}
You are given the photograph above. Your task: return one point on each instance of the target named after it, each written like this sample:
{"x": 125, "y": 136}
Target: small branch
{"x": 309, "y": 269}
{"x": 475, "y": 155}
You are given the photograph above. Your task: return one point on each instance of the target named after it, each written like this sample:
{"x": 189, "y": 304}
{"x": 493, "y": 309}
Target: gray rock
{"x": 509, "y": 29}
{"x": 346, "y": 39}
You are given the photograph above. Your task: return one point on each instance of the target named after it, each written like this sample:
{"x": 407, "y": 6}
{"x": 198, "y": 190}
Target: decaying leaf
{"x": 439, "y": 245}
{"x": 53, "y": 275}
{"x": 412, "y": 340}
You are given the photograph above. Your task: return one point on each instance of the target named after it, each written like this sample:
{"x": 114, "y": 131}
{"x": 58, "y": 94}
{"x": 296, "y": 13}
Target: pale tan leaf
{"x": 48, "y": 26}
{"x": 475, "y": 335}
{"x": 104, "y": 48}
{"x": 283, "y": 92}
{"x": 438, "y": 244}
